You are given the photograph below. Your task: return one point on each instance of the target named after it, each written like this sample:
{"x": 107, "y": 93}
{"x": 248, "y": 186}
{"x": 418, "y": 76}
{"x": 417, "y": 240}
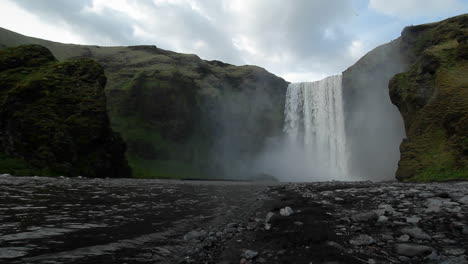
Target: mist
{"x": 374, "y": 126}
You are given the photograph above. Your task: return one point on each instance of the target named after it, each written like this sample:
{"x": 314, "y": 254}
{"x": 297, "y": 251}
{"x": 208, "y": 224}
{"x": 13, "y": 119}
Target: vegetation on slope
{"x": 182, "y": 117}
{"x": 53, "y": 118}
{"x": 432, "y": 97}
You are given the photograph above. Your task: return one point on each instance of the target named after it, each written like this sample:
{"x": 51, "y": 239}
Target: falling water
{"x": 314, "y": 123}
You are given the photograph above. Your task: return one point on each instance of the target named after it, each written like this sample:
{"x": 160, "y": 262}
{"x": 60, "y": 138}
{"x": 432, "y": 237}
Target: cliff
{"x": 424, "y": 73}
{"x": 432, "y": 96}
{"x": 53, "y": 118}
{"x": 182, "y": 116}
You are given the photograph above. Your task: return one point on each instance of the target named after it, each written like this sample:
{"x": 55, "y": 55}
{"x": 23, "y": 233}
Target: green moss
{"x": 53, "y": 115}
{"x": 431, "y": 175}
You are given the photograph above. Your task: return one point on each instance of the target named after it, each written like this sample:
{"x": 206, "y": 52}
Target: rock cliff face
{"x": 432, "y": 96}
{"x": 53, "y": 118}
{"x": 182, "y": 116}
{"x": 374, "y": 127}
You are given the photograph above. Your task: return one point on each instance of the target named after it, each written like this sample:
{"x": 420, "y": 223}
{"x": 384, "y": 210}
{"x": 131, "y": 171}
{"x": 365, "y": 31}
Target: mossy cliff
{"x": 181, "y": 116}
{"x": 53, "y": 118}
{"x": 432, "y": 96}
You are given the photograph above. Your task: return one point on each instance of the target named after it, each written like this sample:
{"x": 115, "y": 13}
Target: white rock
{"x": 250, "y": 254}
{"x": 287, "y": 211}
{"x": 382, "y": 218}
{"x": 413, "y": 219}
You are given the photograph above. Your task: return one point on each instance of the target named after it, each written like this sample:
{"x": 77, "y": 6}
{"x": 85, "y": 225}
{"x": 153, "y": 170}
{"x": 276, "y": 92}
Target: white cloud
{"x": 14, "y": 18}
{"x": 411, "y": 8}
{"x": 357, "y": 49}
{"x": 298, "y": 40}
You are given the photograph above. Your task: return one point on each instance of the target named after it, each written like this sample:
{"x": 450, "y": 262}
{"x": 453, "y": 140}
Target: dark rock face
{"x": 374, "y": 127}
{"x": 53, "y": 116}
{"x": 432, "y": 97}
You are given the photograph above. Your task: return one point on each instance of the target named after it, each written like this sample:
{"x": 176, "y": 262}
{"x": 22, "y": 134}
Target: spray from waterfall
{"x": 314, "y": 125}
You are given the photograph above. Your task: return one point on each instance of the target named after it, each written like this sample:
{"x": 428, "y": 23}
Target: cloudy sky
{"x": 300, "y": 40}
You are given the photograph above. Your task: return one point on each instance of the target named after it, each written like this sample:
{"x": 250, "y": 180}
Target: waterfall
{"x": 314, "y": 123}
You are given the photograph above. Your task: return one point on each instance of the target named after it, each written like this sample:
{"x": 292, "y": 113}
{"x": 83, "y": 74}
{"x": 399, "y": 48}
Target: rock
{"x": 385, "y": 209}
{"x": 463, "y": 200}
{"x": 287, "y": 211}
{"x": 465, "y": 230}
{"x": 362, "y": 240}
{"x": 252, "y": 226}
{"x": 413, "y": 220}
{"x": 195, "y": 235}
{"x": 387, "y": 237}
{"x": 382, "y": 218}
{"x": 416, "y": 232}
{"x": 412, "y": 250}
{"x": 230, "y": 230}
{"x": 454, "y": 251}
{"x": 403, "y": 238}
{"x": 404, "y": 259}
{"x": 232, "y": 225}
{"x": 269, "y": 216}
{"x": 363, "y": 217}
{"x": 250, "y": 254}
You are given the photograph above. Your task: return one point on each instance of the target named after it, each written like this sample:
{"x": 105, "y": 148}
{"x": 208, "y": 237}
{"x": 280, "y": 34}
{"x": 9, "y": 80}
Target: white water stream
{"x": 314, "y": 123}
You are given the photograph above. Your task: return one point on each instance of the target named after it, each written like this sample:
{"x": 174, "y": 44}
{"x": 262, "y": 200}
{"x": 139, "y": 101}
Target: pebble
{"x": 250, "y": 254}
{"x": 382, "y": 218}
{"x": 269, "y": 216}
{"x": 416, "y": 232}
{"x": 195, "y": 235}
{"x": 363, "y": 217}
{"x": 413, "y": 220}
{"x": 362, "y": 240}
{"x": 454, "y": 251}
{"x": 403, "y": 238}
{"x": 287, "y": 211}
{"x": 412, "y": 250}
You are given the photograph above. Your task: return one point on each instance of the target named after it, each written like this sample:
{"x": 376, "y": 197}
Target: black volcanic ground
{"x": 60, "y": 220}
